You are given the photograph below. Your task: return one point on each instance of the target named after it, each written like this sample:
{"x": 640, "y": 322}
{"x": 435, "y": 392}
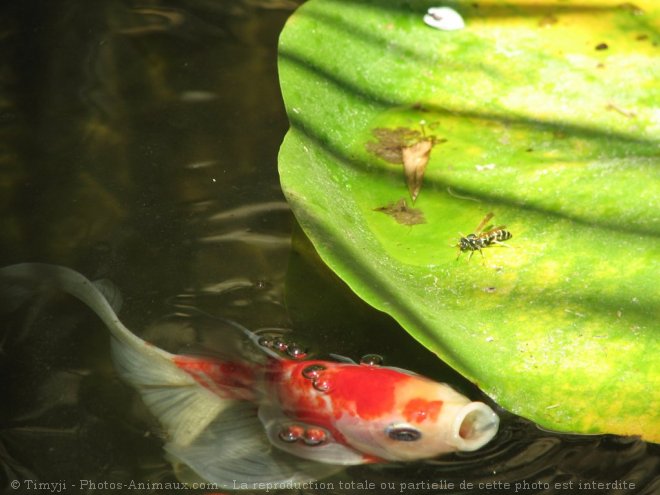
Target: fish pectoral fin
{"x": 233, "y": 450}
{"x": 305, "y": 440}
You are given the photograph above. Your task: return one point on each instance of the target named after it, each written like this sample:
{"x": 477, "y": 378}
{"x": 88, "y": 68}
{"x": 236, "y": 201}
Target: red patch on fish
{"x": 418, "y": 410}
{"x": 227, "y": 379}
{"x": 363, "y": 391}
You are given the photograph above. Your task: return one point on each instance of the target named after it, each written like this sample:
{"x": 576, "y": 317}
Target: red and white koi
{"x": 253, "y": 417}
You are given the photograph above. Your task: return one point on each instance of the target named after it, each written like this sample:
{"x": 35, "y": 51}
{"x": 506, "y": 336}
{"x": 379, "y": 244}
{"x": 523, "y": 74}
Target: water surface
{"x": 139, "y": 144}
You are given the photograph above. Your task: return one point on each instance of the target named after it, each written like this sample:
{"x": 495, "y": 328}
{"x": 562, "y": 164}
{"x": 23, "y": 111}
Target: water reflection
{"x": 140, "y": 144}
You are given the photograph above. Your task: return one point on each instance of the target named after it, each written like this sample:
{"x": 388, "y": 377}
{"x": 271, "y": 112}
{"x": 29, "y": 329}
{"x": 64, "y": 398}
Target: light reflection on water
{"x": 140, "y": 145}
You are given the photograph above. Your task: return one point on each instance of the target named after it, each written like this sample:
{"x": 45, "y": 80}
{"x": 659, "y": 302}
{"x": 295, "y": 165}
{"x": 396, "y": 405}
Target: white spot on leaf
{"x": 444, "y": 18}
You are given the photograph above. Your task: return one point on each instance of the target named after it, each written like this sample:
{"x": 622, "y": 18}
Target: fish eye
{"x": 403, "y": 433}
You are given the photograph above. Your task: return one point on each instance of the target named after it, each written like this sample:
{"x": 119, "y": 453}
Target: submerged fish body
{"x": 382, "y": 413}
{"x": 255, "y": 417}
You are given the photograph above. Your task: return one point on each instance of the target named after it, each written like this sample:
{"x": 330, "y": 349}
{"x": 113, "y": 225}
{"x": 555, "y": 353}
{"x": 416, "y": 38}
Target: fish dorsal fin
{"x": 401, "y": 370}
{"x": 237, "y": 340}
{"x": 183, "y": 407}
{"x": 233, "y": 452}
{"x": 329, "y": 451}
{"x": 342, "y": 359}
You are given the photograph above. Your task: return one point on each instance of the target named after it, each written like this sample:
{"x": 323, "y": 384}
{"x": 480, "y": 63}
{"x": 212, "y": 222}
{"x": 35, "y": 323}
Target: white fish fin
{"x": 111, "y": 293}
{"x": 233, "y": 450}
{"x": 330, "y": 452}
{"x": 401, "y": 370}
{"x": 183, "y": 407}
{"x": 13, "y": 293}
{"x": 233, "y": 341}
{"x": 342, "y": 359}
{"x": 39, "y": 276}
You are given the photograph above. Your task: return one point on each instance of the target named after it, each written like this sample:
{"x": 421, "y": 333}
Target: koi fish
{"x": 253, "y": 414}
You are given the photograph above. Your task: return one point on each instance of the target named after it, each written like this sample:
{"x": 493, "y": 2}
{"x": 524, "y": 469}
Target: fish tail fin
{"x": 171, "y": 393}
{"x": 22, "y": 281}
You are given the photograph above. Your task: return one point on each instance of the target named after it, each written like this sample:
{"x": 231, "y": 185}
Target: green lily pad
{"x": 545, "y": 115}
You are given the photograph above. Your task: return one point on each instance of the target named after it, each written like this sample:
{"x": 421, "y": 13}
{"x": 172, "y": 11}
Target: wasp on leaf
{"x": 481, "y": 238}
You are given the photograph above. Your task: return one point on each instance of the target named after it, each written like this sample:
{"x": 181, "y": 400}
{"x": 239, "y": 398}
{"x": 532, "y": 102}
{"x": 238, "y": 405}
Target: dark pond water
{"x": 139, "y": 144}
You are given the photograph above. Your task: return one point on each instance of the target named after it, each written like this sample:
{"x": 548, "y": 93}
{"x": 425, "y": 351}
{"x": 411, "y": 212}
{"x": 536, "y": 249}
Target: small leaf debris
{"x": 390, "y": 142}
{"x": 415, "y": 159}
{"x": 405, "y": 146}
{"x": 402, "y": 213}
{"x": 626, "y": 113}
{"x": 632, "y": 8}
{"x": 548, "y": 20}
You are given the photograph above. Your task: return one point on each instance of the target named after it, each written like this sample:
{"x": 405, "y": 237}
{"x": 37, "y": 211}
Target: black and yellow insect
{"x": 479, "y": 240}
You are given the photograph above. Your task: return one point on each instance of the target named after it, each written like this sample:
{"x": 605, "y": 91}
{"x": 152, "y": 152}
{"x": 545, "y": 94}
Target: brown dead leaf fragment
{"x": 405, "y": 146}
{"x": 548, "y": 20}
{"x": 389, "y": 142}
{"x": 415, "y": 160}
{"x": 632, "y": 8}
{"x": 626, "y": 113}
{"x": 402, "y": 213}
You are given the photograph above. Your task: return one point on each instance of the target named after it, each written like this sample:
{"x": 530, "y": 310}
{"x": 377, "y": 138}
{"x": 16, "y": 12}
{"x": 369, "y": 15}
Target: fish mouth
{"x": 474, "y": 426}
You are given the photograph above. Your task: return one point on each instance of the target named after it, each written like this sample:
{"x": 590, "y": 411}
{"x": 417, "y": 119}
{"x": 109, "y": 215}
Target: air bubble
{"x": 315, "y": 436}
{"x": 280, "y": 345}
{"x": 321, "y": 384}
{"x": 313, "y": 372}
{"x": 296, "y": 351}
{"x": 371, "y": 360}
{"x": 291, "y": 433}
{"x": 266, "y": 342}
